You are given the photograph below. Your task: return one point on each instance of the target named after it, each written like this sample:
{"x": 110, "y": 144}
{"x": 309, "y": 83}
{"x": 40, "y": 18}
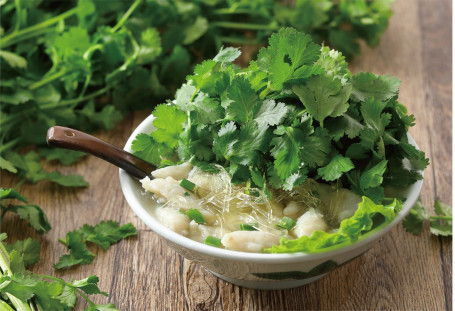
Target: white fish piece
{"x": 166, "y": 189}
{"x": 178, "y": 172}
{"x": 293, "y": 208}
{"x": 310, "y": 221}
{"x": 249, "y": 241}
{"x": 174, "y": 220}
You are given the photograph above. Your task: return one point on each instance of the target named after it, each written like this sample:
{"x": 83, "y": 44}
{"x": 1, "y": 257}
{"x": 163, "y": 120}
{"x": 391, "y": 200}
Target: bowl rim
{"x": 129, "y": 184}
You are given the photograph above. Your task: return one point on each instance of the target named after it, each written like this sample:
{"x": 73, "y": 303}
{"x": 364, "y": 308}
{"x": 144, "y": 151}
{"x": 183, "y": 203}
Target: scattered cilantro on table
{"x": 103, "y": 234}
{"x": 35, "y": 216}
{"x": 25, "y": 291}
{"x": 440, "y": 224}
{"x": 84, "y": 64}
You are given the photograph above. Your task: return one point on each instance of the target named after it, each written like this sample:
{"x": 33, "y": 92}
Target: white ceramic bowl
{"x": 253, "y": 270}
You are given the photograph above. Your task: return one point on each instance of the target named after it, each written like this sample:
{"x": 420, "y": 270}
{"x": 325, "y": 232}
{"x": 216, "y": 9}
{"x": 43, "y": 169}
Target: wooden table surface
{"x": 401, "y": 272}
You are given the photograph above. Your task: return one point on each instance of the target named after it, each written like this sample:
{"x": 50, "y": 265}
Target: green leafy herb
{"x": 103, "y": 234}
{"x": 28, "y": 249}
{"x": 35, "y": 216}
{"x": 24, "y": 290}
{"x": 286, "y": 223}
{"x": 440, "y": 224}
{"x": 296, "y": 112}
{"x": 212, "y": 241}
{"x": 85, "y": 65}
{"x": 196, "y": 215}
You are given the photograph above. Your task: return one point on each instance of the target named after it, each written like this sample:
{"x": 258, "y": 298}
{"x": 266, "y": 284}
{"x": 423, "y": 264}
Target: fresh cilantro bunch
{"x": 85, "y": 64}
{"x": 296, "y": 112}
{"x": 23, "y": 290}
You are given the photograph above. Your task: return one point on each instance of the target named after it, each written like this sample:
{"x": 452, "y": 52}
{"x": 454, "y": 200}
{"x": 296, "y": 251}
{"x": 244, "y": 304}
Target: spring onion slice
{"x": 196, "y": 215}
{"x": 286, "y": 223}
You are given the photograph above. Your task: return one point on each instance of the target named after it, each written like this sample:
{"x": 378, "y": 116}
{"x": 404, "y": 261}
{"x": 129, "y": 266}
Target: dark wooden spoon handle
{"x": 67, "y": 138}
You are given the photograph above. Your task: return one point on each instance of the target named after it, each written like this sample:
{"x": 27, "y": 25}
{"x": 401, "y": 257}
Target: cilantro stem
{"x": 230, "y": 11}
{"x": 126, "y": 15}
{"x": 17, "y": 3}
{"x": 5, "y": 307}
{"x": 5, "y": 252}
{"x": 53, "y": 278}
{"x": 238, "y": 40}
{"x": 87, "y": 55}
{"x": 48, "y": 79}
{"x": 6, "y": 41}
{"x": 4, "y": 266}
{"x": 19, "y": 184}
{"x": 81, "y": 99}
{"x": 28, "y": 36}
{"x": 62, "y": 241}
{"x": 90, "y": 302}
{"x": 67, "y": 102}
{"x": 441, "y": 217}
{"x": 9, "y": 145}
{"x": 243, "y": 26}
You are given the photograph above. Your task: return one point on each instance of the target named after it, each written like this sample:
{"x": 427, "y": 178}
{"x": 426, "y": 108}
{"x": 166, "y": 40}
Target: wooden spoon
{"x": 67, "y": 138}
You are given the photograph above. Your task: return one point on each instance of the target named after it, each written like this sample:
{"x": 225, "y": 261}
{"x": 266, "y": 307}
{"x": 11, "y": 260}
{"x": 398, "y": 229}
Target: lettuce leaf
{"x": 368, "y": 216}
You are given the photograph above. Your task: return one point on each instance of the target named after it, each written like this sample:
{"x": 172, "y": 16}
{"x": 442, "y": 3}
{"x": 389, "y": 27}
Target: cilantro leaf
{"x": 79, "y": 253}
{"x": 35, "y": 216}
{"x": 28, "y": 249}
{"x": 145, "y": 147}
{"x": 103, "y": 234}
{"x": 441, "y": 224}
{"x": 270, "y": 113}
{"x": 8, "y": 193}
{"x": 286, "y": 150}
{"x": 323, "y": 96}
{"x": 336, "y": 167}
{"x": 368, "y": 85}
{"x": 244, "y": 101}
{"x": 373, "y": 176}
{"x": 227, "y": 55}
{"x": 169, "y": 124}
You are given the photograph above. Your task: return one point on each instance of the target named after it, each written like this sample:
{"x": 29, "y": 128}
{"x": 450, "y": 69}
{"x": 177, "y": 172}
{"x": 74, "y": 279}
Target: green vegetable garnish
{"x": 248, "y": 227}
{"x": 188, "y": 185}
{"x": 103, "y": 234}
{"x": 25, "y": 290}
{"x": 35, "y": 216}
{"x": 195, "y": 215}
{"x": 84, "y": 65}
{"x": 212, "y": 241}
{"x": 440, "y": 224}
{"x": 286, "y": 223}
{"x": 296, "y": 112}
{"x": 351, "y": 229}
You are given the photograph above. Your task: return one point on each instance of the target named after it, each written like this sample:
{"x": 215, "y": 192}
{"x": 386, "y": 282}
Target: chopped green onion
{"x": 188, "y": 185}
{"x": 196, "y": 215}
{"x": 286, "y": 223}
{"x": 248, "y": 227}
{"x": 186, "y": 194}
{"x": 212, "y": 241}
